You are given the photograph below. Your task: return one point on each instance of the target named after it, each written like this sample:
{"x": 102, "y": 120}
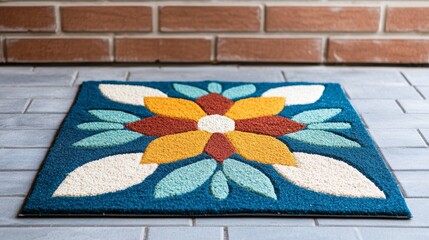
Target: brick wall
{"x": 325, "y": 31}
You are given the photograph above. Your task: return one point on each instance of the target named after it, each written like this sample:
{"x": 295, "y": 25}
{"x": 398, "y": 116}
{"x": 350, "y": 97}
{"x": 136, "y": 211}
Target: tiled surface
{"x": 391, "y": 101}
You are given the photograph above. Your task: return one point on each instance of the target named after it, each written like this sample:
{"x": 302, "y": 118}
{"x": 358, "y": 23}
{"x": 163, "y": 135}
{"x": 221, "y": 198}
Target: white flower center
{"x": 216, "y": 124}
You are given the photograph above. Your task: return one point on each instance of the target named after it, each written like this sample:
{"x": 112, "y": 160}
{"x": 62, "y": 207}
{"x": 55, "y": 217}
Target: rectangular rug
{"x": 213, "y": 149}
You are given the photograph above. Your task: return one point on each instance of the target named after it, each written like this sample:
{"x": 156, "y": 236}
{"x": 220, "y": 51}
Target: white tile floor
{"x": 392, "y": 102}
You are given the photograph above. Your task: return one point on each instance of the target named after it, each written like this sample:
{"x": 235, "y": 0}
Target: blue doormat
{"x": 213, "y": 149}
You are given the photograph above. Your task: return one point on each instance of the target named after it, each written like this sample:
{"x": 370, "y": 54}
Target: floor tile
{"x": 376, "y": 106}
{"x": 399, "y": 121}
{"x": 103, "y": 73}
{"x": 16, "y": 183}
{"x": 415, "y": 106}
{"x": 13, "y": 105}
{"x": 347, "y": 76}
{"x": 407, "y": 158}
{"x": 202, "y": 74}
{"x": 394, "y": 234}
{"x": 79, "y": 233}
{"x": 186, "y": 233}
{"x": 397, "y": 138}
{"x": 254, "y": 222}
{"x": 30, "y": 121}
{"x": 418, "y": 77}
{"x": 301, "y": 233}
{"x": 415, "y": 183}
{"x": 26, "y": 138}
{"x": 381, "y": 92}
{"x": 50, "y": 105}
{"x": 22, "y": 159}
{"x": 38, "y": 92}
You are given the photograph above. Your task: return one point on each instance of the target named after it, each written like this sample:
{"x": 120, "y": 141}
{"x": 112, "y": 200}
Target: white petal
{"x": 109, "y": 174}
{"x": 297, "y": 95}
{"x": 327, "y": 175}
{"x": 129, "y": 94}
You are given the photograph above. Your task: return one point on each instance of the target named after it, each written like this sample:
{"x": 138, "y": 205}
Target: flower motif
{"x": 218, "y": 127}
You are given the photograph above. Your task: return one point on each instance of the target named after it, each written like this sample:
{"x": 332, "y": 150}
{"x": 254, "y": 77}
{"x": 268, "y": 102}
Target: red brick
{"x": 27, "y": 19}
{"x": 411, "y": 19}
{"x": 209, "y": 19}
{"x": 269, "y": 50}
{"x": 106, "y": 19}
{"x": 57, "y": 50}
{"x": 314, "y": 19}
{"x": 162, "y": 50}
{"x": 378, "y": 51}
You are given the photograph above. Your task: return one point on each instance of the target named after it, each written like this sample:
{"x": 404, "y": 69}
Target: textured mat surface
{"x": 209, "y": 148}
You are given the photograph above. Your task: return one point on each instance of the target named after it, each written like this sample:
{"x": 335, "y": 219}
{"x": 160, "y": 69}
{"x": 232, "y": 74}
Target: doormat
{"x": 213, "y": 149}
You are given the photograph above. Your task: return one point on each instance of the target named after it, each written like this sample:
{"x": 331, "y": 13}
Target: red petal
{"x": 161, "y": 126}
{"x": 219, "y": 147}
{"x": 269, "y": 125}
{"x": 214, "y": 103}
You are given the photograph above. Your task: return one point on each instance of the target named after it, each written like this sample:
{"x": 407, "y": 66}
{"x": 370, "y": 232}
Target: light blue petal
{"x": 316, "y": 116}
{"x": 322, "y": 138}
{"x": 214, "y": 87}
{"x": 190, "y": 91}
{"x": 329, "y": 125}
{"x": 100, "y": 126}
{"x": 185, "y": 179}
{"x": 239, "y": 91}
{"x": 108, "y": 139}
{"x": 219, "y": 186}
{"x": 248, "y": 177}
{"x": 114, "y": 116}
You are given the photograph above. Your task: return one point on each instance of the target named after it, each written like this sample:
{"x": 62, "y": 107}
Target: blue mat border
{"x": 299, "y": 202}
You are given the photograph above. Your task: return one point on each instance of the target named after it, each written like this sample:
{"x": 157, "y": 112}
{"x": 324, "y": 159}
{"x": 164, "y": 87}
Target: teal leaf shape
{"x": 108, "y": 139}
{"x": 185, "y": 179}
{"x": 96, "y": 126}
{"x": 248, "y": 178}
{"x": 329, "y": 125}
{"x": 190, "y": 91}
{"x": 322, "y": 138}
{"x": 214, "y": 87}
{"x": 114, "y": 116}
{"x": 316, "y": 116}
{"x": 239, "y": 91}
{"x": 219, "y": 186}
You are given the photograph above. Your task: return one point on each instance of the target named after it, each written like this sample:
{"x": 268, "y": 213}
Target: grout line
{"x": 316, "y": 222}
{"x": 127, "y": 76}
{"x": 358, "y": 233}
{"x": 406, "y": 79}
{"x": 27, "y": 105}
{"x": 146, "y": 233}
{"x": 400, "y": 106}
{"x": 193, "y": 222}
{"x": 423, "y": 137}
{"x": 284, "y": 75}
{"x": 225, "y": 233}
{"x": 76, "y": 75}
{"x": 420, "y": 93}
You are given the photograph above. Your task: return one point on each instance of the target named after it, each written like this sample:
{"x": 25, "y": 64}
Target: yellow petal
{"x": 175, "y": 147}
{"x": 256, "y": 107}
{"x": 174, "y": 107}
{"x": 261, "y": 148}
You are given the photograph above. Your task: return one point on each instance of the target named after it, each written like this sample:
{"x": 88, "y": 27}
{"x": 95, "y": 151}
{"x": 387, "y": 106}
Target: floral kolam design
{"x": 219, "y": 124}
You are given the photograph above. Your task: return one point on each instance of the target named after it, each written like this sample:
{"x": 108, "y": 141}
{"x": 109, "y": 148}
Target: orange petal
{"x": 174, "y": 107}
{"x": 175, "y": 147}
{"x": 261, "y": 148}
{"x": 256, "y": 107}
